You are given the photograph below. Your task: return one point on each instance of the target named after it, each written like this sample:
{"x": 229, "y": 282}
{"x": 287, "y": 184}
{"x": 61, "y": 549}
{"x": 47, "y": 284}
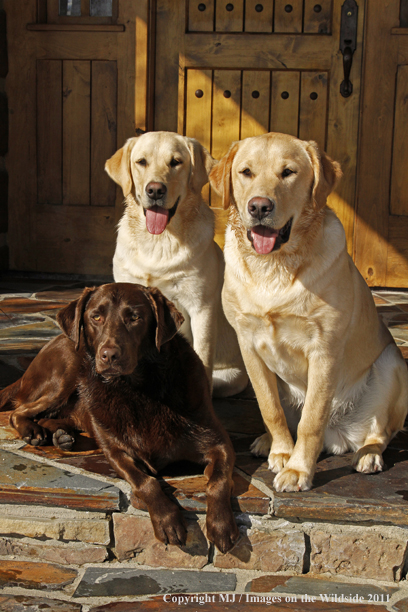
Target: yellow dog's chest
{"x": 283, "y": 342}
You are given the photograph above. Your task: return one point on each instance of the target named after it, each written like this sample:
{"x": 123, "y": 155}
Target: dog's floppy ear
{"x": 168, "y": 318}
{"x": 201, "y": 164}
{"x": 118, "y": 167}
{"x": 327, "y": 173}
{"x": 70, "y": 318}
{"x": 220, "y": 175}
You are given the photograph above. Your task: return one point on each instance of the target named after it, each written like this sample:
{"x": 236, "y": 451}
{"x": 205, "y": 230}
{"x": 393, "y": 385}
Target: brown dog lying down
{"x": 122, "y": 373}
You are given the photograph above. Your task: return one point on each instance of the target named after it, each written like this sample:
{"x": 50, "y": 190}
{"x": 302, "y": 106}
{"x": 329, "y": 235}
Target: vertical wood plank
{"x": 343, "y": 125}
{"x": 313, "y": 107}
{"x": 76, "y": 132}
{"x": 141, "y": 76}
{"x": 255, "y": 103}
{"x": 317, "y": 17}
{"x": 288, "y": 16}
{"x": 226, "y": 115}
{"x": 198, "y": 111}
{"x": 285, "y": 102}
{"x": 372, "y": 218}
{"x": 201, "y": 15}
{"x": 103, "y": 130}
{"x": 49, "y": 131}
{"x": 399, "y": 171}
{"x": 258, "y": 15}
{"x": 229, "y": 16}
{"x": 170, "y": 27}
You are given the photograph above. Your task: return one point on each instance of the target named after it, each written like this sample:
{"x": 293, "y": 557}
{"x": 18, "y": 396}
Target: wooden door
{"x": 381, "y": 239}
{"x": 71, "y": 90}
{"x": 226, "y": 70}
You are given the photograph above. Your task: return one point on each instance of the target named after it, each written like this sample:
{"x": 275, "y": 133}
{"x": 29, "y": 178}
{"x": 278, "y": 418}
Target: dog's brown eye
{"x": 287, "y": 172}
{"x": 246, "y": 172}
{"x": 175, "y": 162}
{"x": 142, "y": 162}
{"x": 134, "y": 317}
{"x": 96, "y": 317}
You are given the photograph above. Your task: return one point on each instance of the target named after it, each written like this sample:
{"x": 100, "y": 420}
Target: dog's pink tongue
{"x": 156, "y": 219}
{"x": 264, "y": 239}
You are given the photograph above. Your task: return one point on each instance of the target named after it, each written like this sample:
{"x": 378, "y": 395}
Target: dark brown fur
{"x": 123, "y": 374}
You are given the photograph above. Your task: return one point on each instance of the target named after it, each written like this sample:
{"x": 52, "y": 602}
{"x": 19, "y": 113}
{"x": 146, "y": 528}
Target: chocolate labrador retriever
{"x": 122, "y": 373}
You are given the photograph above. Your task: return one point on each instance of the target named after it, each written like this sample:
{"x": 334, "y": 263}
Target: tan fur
{"x": 184, "y": 261}
{"x": 322, "y": 363}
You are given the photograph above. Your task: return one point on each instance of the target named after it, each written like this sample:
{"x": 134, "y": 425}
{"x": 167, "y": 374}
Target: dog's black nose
{"x": 156, "y": 191}
{"x": 260, "y": 207}
{"x": 109, "y": 355}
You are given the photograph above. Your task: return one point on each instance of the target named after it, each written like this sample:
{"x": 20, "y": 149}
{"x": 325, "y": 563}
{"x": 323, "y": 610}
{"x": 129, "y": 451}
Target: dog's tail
{"x": 8, "y": 394}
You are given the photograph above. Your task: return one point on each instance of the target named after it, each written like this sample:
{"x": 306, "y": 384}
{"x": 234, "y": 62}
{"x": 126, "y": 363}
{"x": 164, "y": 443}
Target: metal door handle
{"x": 348, "y": 42}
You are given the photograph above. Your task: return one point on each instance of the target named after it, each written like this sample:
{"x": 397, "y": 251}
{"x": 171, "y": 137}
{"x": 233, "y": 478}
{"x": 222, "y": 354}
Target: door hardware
{"x": 348, "y": 42}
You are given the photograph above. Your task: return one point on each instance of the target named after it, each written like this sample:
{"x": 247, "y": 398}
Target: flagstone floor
{"x": 46, "y": 478}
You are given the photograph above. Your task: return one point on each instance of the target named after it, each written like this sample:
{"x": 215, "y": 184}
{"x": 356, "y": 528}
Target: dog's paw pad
{"x": 277, "y": 461}
{"x": 369, "y": 463}
{"x": 261, "y": 446}
{"x": 292, "y": 480}
{"x": 63, "y": 440}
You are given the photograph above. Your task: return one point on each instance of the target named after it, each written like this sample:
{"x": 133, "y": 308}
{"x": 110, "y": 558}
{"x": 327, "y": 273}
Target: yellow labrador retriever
{"x": 166, "y": 240}
{"x": 319, "y": 358}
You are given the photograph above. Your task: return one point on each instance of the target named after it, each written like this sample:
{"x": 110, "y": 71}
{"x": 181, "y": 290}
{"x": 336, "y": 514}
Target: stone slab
{"x": 23, "y": 603}
{"x": 28, "y": 575}
{"x": 339, "y": 493}
{"x": 74, "y": 553}
{"x": 111, "y": 582}
{"x": 315, "y": 587}
{"x": 134, "y": 537}
{"x": 401, "y": 605}
{"x": 358, "y": 553}
{"x": 24, "y": 481}
{"x": 91, "y": 527}
{"x": 274, "y": 551}
{"x": 190, "y": 493}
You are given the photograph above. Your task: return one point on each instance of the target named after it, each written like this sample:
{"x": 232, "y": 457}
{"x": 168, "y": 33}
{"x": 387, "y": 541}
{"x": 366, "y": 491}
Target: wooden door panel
{"x": 201, "y": 16}
{"x": 313, "y": 107}
{"x": 229, "y": 16}
{"x": 285, "y": 102}
{"x": 399, "y": 173}
{"x": 49, "y": 131}
{"x": 381, "y": 238}
{"x": 288, "y": 16}
{"x": 76, "y": 123}
{"x": 255, "y": 105}
{"x": 317, "y": 16}
{"x": 65, "y": 85}
{"x": 104, "y": 95}
{"x": 259, "y": 16}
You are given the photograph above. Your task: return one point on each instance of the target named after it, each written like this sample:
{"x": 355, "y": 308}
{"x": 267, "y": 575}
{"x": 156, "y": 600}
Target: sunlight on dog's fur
{"x": 321, "y": 361}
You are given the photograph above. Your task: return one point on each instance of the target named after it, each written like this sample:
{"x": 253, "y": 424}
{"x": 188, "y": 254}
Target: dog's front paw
{"x": 34, "y": 434}
{"x": 261, "y": 446}
{"x": 170, "y": 528}
{"x": 292, "y": 480}
{"x": 223, "y": 532}
{"x": 277, "y": 461}
{"x": 368, "y": 463}
{"x": 63, "y": 440}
